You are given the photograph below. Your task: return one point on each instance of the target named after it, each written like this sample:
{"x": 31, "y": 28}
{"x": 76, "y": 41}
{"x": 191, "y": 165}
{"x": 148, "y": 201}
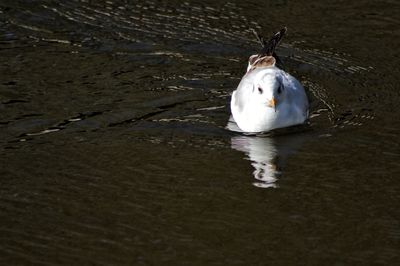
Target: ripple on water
{"x": 115, "y": 151}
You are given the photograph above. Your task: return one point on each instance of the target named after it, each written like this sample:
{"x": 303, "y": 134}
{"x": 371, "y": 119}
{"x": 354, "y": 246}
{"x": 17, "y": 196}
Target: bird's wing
{"x": 267, "y": 56}
{"x": 270, "y": 45}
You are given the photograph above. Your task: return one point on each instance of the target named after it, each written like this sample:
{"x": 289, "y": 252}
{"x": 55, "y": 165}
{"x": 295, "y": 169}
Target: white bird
{"x": 267, "y": 97}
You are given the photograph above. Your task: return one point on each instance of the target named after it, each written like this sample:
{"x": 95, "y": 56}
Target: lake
{"x": 115, "y": 148}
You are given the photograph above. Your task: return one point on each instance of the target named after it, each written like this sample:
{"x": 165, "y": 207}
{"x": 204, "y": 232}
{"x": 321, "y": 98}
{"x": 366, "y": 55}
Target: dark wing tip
{"x": 272, "y": 43}
{"x": 259, "y": 37}
{"x": 283, "y": 30}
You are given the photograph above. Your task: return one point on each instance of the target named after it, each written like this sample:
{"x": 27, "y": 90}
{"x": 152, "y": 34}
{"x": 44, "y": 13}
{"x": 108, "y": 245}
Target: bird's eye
{"x": 280, "y": 88}
{"x": 260, "y": 90}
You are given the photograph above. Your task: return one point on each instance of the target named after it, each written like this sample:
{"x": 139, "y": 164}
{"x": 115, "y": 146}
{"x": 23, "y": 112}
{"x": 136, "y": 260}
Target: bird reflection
{"x": 268, "y": 153}
{"x": 264, "y": 157}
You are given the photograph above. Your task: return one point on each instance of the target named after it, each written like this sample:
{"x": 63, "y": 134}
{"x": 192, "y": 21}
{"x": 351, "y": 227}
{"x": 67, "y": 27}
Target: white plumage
{"x": 267, "y": 97}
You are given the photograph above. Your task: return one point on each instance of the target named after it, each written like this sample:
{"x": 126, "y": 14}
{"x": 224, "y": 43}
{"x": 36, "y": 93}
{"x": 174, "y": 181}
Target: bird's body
{"x": 267, "y": 97}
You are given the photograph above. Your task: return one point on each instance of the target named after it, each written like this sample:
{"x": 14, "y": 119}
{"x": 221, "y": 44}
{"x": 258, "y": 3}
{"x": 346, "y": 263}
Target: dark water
{"x": 114, "y": 149}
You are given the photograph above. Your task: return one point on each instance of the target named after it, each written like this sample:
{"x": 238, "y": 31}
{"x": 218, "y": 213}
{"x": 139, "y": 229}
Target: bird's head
{"x": 268, "y": 89}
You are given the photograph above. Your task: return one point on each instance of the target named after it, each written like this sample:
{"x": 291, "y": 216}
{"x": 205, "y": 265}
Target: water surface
{"x": 114, "y": 147}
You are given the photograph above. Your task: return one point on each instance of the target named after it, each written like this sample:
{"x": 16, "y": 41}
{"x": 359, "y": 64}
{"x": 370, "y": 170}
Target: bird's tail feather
{"x": 270, "y": 45}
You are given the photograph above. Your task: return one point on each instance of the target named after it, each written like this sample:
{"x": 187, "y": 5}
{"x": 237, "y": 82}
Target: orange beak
{"x": 271, "y": 103}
